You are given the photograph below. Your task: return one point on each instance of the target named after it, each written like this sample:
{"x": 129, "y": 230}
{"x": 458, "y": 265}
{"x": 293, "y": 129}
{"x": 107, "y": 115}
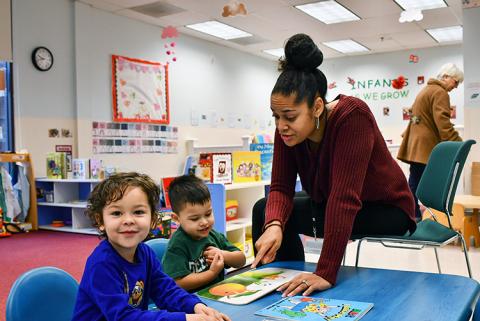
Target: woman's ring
{"x": 306, "y": 283}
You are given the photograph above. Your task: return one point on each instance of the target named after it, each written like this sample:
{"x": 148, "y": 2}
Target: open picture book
{"x": 306, "y": 308}
{"x": 248, "y": 286}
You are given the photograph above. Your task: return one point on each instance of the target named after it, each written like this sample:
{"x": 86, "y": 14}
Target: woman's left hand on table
{"x": 304, "y": 284}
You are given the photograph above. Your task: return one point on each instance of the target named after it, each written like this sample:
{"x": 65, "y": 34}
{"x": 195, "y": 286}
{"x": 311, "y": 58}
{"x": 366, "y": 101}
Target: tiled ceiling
{"x": 273, "y": 21}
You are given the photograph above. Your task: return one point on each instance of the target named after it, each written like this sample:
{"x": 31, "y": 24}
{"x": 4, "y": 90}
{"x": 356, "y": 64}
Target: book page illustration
{"x": 248, "y": 286}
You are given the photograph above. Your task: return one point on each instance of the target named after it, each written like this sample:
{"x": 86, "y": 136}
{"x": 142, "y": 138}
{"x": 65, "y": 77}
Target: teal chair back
{"x": 42, "y": 294}
{"x": 439, "y": 181}
{"x": 159, "y": 246}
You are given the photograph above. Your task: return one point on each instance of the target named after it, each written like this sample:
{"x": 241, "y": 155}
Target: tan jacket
{"x": 432, "y": 111}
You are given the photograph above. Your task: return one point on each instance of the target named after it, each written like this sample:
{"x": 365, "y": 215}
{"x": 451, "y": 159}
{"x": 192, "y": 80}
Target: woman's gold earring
{"x": 317, "y": 122}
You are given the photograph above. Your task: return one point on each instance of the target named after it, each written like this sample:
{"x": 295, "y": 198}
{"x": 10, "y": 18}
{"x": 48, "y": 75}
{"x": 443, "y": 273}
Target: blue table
{"x": 396, "y": 295}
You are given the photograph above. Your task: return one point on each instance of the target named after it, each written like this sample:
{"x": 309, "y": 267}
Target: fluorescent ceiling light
{"x": 220, "y": 30}
{"x": 345, "y": 46}
{"x": 421, "y": 4}
{"x": 447, "y": 34}
{"x": 328, "y": 12}
{"x": 275, "y": 52}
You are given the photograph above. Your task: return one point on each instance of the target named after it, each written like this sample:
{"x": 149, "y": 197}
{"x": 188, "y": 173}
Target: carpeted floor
{"x": 22, "y": 252}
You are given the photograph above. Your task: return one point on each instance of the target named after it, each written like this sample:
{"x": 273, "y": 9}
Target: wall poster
{"x": 139, "y": 91}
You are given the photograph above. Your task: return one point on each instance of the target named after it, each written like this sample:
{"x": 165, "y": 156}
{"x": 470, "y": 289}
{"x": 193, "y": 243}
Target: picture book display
{"x": 306, "y": 308}
{"x": 246, "y": 166}
{"x": 248, "y": 286}
{"x": 165, "y": 185}
{"x": 266, "y": 157}
{"x": 221, "y": 168}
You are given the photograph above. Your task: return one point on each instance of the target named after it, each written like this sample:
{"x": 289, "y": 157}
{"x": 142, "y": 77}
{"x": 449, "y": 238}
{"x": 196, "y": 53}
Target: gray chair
{"x": 436, "y": 190}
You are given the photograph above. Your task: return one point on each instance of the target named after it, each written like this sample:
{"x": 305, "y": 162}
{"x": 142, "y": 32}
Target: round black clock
{"x": 42, "y": 58}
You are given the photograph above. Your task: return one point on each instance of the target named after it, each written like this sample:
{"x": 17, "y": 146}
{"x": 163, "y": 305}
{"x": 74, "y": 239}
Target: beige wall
{"x": 5, "y": 31}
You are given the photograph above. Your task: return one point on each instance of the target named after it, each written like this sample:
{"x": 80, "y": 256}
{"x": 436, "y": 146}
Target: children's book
{"x": 165, "y": 184}
{"x": 221, "y": 168}
{"x": 57, "y": 165}
{"x": 306, "y": 308}
{"x": 248, "y": 286}
{"x": 81, "y": 169}
{"x": 266, "y": 157}
{"x": 246, "y": 166}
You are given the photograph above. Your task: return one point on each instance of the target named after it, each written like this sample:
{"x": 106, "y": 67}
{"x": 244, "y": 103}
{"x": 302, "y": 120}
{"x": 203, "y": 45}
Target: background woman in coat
{"x": 429, "y": 124}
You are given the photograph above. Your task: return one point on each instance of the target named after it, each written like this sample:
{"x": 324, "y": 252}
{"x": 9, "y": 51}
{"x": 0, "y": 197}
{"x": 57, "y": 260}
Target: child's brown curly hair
{"x": 113, "y": 188}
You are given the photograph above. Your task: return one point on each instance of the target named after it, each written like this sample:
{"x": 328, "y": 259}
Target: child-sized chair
{"x": 159, "y": 246}
{"x": 42, "y": 294}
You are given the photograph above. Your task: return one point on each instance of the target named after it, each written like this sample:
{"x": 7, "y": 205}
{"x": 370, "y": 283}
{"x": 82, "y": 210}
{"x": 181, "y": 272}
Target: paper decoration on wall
{"x": 399, "y": 82}
{"x": 386, "y": 111}
{"x": 332, "y": 85}
{"x": 350, "y": 81}
{"x": 420, "y": 80}
{"x": 140, "y": 90}
{"x": 169, "y": 32}
{"x": 234, "y": 8}
{"x": 406, "y": 113}
{"x": 53, "y": 132}
{"x": 413, "y": 58}
{"x": 453, "y": 112}
{"x": 467, "y": 4}
{"x": 170, "y": 52}
{"x": 66, "y": 132}
{"x": 120, "y": 138}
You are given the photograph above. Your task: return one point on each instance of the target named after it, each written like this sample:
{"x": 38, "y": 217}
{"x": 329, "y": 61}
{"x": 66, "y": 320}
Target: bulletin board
{"x": 140, "y": 91}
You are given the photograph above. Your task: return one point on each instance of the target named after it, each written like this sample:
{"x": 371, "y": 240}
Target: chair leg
{"x": 465, "y": 252}
{"x": 358, "y": 252}
{"x": 438, "y": 261}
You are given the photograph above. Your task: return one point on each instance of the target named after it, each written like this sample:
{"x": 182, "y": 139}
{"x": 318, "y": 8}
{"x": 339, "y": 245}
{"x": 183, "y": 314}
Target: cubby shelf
{"x": 69, "y": 204}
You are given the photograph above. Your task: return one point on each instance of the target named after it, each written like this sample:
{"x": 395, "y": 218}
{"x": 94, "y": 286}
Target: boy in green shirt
{"x": 196, "y": 255}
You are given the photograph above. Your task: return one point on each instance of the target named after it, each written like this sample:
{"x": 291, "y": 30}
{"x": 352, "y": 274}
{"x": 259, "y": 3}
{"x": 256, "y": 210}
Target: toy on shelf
{"x": 231, "y": 209}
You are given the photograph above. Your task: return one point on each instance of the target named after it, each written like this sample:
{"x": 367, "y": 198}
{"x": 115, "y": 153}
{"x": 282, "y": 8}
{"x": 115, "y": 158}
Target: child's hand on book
{"x": 210, "y": 252}
{"x": 304, "y": 284}
{"x": 217, "y": 264}
{"x": 204, "y": 313}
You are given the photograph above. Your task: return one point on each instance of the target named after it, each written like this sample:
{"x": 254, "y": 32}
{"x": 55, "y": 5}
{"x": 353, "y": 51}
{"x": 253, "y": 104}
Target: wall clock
{"x": 42, "y": 58}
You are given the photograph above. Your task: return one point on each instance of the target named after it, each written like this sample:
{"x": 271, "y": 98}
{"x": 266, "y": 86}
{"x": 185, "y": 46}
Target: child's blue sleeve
{"x": 167, "y": 294}
{"x": 106, "y": 288}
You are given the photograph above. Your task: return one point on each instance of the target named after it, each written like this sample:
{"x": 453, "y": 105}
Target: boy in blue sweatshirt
{"x": 122, "y": 273}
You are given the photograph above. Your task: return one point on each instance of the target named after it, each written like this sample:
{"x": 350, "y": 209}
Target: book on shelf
{"x": 221, "y": 168}
{"x": 307, "y": 308}
{"x": 96, "y": 169}
{"x": 246, "y": 166}
{"x": 57, "y": 165}
{"x": 204, "y": 167}
{"x": 165, "y": 184}
{"x": 266, "y": 157}
{"x": 81, "y": 168}
{"x": 248, "y": 286}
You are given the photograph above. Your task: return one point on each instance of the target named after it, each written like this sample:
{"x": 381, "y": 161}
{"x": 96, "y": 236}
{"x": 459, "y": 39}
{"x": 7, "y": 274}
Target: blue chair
{"x": 159, "y": 246}
{"x": 42, "y": 294}
{"x": 436, "y": 190}
{"x": 476, "y": 312}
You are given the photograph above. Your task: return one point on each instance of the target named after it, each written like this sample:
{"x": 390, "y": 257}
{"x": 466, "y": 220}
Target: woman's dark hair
{"x": 187, "y": 189}
{"x": 113, "y": 189}
{"x": 300, "y": 75}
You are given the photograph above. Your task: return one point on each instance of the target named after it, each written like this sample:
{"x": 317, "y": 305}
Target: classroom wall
{"x": 209, "y": 80}
{"x": 5, "y": 31}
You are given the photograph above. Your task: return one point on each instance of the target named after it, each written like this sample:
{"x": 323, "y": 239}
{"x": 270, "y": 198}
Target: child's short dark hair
{"x": 113, "y": 188}
{"x": 187, "y": 189}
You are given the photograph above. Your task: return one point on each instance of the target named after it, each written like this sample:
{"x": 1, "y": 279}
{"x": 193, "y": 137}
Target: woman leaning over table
{"x": 353, "y": 185}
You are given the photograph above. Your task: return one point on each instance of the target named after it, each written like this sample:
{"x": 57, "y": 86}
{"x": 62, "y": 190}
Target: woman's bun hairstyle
{"x": 301, "y": 53}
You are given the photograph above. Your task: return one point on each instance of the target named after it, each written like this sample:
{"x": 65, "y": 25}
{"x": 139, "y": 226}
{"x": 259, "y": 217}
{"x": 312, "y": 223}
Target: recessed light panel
{"x": 220, "y": 30}
{"x": 346, "y": 46}
{"x": 328, "y": 12}
{"x": 447, "y": 34}
{"x": 421, "y": 4}
{"x": 275, "y": 52}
